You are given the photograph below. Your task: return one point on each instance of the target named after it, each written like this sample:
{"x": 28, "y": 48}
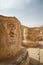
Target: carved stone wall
{"x": 32, "y": 36}
{"x": 10, "y": 37}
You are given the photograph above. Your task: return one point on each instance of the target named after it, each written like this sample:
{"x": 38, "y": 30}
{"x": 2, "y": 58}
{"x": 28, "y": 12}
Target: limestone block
{"x": 10, "y": 37}
{"x": 34, "y": 56}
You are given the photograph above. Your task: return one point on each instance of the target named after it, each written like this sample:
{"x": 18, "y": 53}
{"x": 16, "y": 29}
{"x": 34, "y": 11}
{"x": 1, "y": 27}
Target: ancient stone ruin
{"x": 11, "y": 52}
{"x": 32, "y": 36}
{"x": 13, "y": 38}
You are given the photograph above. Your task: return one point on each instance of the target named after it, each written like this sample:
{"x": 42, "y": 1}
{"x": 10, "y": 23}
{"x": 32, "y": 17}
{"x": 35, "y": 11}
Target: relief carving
{"x": 12, "y": 34}
{"x": 10, "y": 37}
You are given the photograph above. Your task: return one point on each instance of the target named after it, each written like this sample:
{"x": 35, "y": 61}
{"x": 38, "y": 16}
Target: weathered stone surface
{"x": 30, "y": 44}
{"x": 29, "y": 38}
{"x": 21, "y": 58}
{"x": 34, "y": 56}
{"x": 33, "y": 34}
{"x": 10, "y": 37}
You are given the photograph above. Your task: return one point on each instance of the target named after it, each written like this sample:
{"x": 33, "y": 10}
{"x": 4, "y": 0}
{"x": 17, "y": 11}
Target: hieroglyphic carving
{"x": 12, "y": 34}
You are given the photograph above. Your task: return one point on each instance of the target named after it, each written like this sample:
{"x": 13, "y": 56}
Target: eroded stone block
{"x": 10, "y": 37}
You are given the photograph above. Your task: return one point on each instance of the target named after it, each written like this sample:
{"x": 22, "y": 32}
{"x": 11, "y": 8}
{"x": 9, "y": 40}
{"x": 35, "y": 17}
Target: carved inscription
{"x": 10, "y": 38}
{"x": 12, "y": 34}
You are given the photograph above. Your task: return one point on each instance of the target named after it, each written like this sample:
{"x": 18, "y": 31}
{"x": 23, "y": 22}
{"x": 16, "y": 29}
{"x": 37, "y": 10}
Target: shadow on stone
{"x": 35, "y": 62}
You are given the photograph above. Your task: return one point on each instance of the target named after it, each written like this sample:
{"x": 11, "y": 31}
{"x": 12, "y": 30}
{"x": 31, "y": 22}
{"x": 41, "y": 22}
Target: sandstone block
{"x": 10, "y": 37}
{"x": 33, "y": 34}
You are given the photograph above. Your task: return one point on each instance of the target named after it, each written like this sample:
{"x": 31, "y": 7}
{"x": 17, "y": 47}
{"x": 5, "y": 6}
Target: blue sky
{"x": 29, "y": 12}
